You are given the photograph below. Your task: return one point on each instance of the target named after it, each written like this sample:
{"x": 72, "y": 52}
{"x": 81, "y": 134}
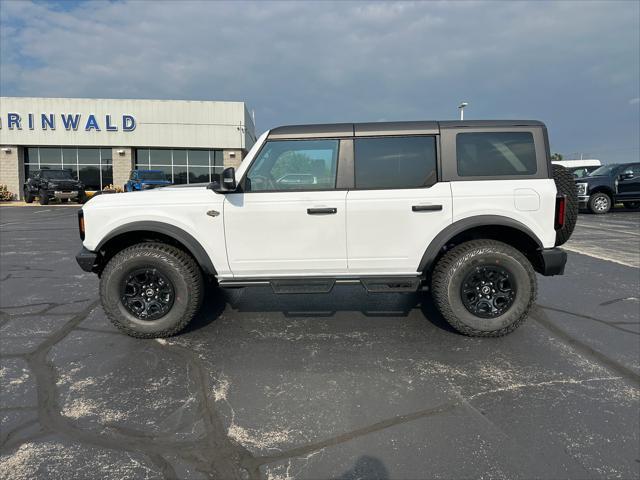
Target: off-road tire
{"x": 181, "y": 270}
{"x": 593, "y": 202}
{"x": 631, "y": 205}
{"x": 28, "y": 197}
{"x": 455, "y": 265}
{"x": 43, "y": 197}
{"x": 566, "y": 185}
{"x": 82, "y": 197}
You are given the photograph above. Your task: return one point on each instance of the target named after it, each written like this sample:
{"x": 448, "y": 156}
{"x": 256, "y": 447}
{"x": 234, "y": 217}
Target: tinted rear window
{"x": 395, "y": 162}
{"x": 495, "y": 154}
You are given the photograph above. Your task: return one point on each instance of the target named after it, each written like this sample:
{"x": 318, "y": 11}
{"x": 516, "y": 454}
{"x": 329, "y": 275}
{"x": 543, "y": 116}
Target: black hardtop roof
{"x": 389, "y": 128}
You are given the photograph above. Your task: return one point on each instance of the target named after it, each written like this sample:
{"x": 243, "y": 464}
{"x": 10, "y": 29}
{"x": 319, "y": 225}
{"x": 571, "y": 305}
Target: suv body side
{"x": 373, "y": 231}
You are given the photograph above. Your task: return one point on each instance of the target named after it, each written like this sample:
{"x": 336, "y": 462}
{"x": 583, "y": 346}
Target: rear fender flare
{"x": 461, "y": 226}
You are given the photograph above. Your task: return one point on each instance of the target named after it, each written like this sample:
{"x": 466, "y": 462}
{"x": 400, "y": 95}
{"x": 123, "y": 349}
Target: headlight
{"x": 582, "y": 188}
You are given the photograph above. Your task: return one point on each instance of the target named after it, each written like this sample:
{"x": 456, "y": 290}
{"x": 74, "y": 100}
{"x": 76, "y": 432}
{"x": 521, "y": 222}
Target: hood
{"x": 168, "y": 195}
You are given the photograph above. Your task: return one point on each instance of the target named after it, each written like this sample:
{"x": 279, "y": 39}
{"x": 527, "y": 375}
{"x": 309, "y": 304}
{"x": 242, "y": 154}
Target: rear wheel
{"x": 631, "y": 205}
{"x": 566, "y": 185}
{"x": 43, "y": 197}
{"x": 484, "y": 288}
{"x": 151, "y": 290}
{"x": 599, "y": 203}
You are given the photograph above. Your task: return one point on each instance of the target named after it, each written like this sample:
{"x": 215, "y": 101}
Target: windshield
{"x": 604, "y": 170}
{"x": 57, "y": 174}
{"x": 152, "y": 175}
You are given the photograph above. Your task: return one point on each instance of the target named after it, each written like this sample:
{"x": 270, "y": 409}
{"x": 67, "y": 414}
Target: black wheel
{"x": 566, "y": 185}
{"x": 599, "y": 203}
{"x": 631, "y": 205}
{"x": 82, "y": 197}
{"x": 43, "y": 197}
{"x": 484, "y": 288}
{"x": 151, "y": 290}
{"x": 28, "y": 197}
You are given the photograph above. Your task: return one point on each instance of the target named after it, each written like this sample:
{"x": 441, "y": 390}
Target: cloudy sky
{"x": 573, "y": 64}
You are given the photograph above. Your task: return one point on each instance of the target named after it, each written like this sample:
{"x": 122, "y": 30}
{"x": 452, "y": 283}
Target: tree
{"x": 556, "y": 157}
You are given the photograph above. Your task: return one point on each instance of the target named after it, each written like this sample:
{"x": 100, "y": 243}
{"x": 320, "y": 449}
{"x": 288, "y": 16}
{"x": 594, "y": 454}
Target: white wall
{"x": 159, "y": 123}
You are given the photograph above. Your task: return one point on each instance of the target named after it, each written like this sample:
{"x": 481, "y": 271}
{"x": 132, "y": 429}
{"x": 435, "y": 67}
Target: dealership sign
{"x": 70, "y": 121}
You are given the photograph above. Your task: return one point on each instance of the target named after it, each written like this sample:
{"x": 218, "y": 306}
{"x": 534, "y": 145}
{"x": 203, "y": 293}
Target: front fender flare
{"x": 194, "y": 246}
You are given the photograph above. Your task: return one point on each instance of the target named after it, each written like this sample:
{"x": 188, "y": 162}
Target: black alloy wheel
{"x": 488, "y": 291}
{"x": 147, "y": 294}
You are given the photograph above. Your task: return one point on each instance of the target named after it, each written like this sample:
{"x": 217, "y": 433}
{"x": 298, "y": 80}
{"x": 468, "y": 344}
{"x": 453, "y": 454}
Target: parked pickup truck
{"x": 610, "y": 184}
{"x": 145, "y": 180}
{"x": 469, "y": 210}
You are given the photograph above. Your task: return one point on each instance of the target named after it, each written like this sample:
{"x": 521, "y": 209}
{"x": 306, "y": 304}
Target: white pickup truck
{"x": 469, "y": 210}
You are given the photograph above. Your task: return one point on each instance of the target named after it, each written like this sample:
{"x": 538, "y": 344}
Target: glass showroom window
{"x": 181, "y": 165}
{"x": 92, "y": 166}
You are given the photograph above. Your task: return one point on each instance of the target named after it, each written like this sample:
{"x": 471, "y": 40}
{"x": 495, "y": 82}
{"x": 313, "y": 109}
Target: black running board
{"x": 325, "y": 285}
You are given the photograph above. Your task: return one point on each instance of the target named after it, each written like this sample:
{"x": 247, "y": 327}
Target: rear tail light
{"x": 561, "y": 202}
{"x": 81, "y": 223}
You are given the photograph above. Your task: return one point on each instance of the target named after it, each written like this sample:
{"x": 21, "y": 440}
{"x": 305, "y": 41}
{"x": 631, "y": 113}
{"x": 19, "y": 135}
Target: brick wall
{"x": 122, "y": 165}
{"x": 232, "y": 158}
{"x": 12, "y": 169}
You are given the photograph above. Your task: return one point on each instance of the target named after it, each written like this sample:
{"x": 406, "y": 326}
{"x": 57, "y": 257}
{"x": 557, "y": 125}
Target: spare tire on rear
{"x": 566, "y": 185}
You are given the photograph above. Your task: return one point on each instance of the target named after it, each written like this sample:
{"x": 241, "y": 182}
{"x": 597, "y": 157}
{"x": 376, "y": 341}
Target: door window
{"x": 294, "y": 165}
{"x": 395, "y": 162}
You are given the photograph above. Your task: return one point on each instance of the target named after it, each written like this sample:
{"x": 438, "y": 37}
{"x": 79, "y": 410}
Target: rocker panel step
{"x": 325, "y": 285}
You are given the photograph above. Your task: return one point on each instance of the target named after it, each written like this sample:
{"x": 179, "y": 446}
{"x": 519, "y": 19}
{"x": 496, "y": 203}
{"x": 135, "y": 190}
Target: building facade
{"x": 102, "y": 140}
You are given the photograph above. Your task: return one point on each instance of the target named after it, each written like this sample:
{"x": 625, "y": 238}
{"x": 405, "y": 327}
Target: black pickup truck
{"x": 608, "y": 185}
{"x": 49, "y": 184}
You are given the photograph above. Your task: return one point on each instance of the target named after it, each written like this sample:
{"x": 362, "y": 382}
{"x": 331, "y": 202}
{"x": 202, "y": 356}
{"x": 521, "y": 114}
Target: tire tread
{"x": 190, "y": 271}
{"x": 442, "y": 276}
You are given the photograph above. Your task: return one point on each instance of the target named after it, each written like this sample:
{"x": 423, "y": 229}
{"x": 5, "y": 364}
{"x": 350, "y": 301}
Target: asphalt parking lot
{"x": 346, "y": 386}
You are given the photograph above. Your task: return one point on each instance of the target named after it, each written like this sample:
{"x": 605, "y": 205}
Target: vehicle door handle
{"x": 426, "y": 208}
{"x": 321, "y": 211}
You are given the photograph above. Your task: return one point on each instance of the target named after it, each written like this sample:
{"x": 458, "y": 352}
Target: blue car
{"x": 146, "y": 179}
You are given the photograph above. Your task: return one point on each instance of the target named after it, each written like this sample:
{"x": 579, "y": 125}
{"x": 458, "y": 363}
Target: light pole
{"x": 461, "y": 108}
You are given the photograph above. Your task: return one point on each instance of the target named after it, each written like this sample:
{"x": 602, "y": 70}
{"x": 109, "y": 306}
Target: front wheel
{"x": 28, "y": 196}
{"x": 599, "y": 203}
{"x": 44, "y": 197}
{"x": 484, "y": 288}
{"x": 151, "y": 290}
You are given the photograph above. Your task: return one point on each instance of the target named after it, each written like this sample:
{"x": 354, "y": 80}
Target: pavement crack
{"x": 630, "y": 375}
{"x": 588, "y": 317}
{"x": 348, "y": 436}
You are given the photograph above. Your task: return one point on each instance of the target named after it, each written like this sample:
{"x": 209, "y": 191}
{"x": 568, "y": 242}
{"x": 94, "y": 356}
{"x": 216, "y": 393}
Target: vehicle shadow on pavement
{"x": 342, "y": 299}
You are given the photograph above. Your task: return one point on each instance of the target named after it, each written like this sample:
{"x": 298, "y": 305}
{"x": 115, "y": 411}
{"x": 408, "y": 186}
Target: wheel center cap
{"x": 149, "y": 292}
{"x": 486, "y": 290}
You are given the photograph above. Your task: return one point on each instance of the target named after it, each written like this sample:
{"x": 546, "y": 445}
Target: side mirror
{"x": 625, "y": 176}
{"x": 224, "y": 182}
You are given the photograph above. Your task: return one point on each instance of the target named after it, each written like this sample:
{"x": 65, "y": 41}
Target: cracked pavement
{"x": 344, "y": 386}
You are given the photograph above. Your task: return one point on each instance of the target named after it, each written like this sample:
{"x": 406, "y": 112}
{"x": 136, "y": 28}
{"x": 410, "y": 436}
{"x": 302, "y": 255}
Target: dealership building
{"x": 101, "y": 140}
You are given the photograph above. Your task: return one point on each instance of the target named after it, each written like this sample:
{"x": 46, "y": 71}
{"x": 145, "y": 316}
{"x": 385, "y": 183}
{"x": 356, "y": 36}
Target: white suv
{"x": 470, "y": 210}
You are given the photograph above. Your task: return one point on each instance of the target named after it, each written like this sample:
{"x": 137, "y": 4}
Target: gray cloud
{"x": 572, "y": 64}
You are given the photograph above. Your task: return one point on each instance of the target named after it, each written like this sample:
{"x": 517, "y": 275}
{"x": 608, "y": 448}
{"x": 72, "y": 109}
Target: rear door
{"x": 289, "y": 218}
{"x": 397, "y": 206}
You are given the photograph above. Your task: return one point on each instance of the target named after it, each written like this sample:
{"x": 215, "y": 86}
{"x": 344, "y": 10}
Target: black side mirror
{"x": 224, "y": 182}
{"x": 625, "y": 175}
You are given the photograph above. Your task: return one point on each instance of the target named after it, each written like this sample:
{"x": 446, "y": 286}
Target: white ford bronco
{"x": 469, "y": 210}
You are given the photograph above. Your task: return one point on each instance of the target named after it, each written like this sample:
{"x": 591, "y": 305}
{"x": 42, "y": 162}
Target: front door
{"x": 397, "y": 206}
{"x": 288, "y": 219}
{"x": 629, "y": 188}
